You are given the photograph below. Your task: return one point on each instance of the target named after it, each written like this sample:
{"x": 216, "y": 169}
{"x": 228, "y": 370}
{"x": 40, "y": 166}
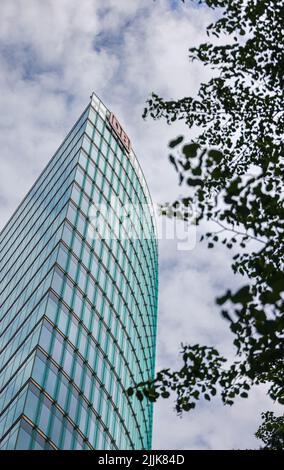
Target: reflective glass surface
{"x": 78, "y": 299}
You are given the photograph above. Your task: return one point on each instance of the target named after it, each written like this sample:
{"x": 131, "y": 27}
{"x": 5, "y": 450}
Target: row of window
{"x": 23, "y": 436}
{"x": 118, "y": 161}
{"x": 110, "y": 183}
{"x": 116, "y": 255}
{"x": 129, "y": 319}
{"x": 125, "y": 250}
{"x": 129, "y": 345}
{"x": 77, "y": 307}
{"x": 15, "y": 384}
{"x": 124, "y": 223}
{"x": 74, "y": 366}
{"x": 21, "y": 355}
{"x": 128, "y": 254}
{"x": 13, "y": 319}
{"x": 56, "y": 385}
{"x": 12, "y": 413}
{"x": 98, "y": 128}
{"x": 119, "y": 172}
{"x": 28, "y": 284}
{"x": 90, "y": 379}
{"x": 22, "y": 333}
{"x": 77, "y": 219}
{"x": 97, "y": 107}
{"x": 110, "y": 343}
{"x": 57, "y": 163}
{"x": 79, "y": 410}
{"x": 99, "y": 192}
{"x": 71, "y": 293}
{"x": 110, "y": 356}
{"x": 31, "y": 233}
{"x": 113, "y": 283}
{"x": 74, "y": 332}
{"x": 109, "y": 338}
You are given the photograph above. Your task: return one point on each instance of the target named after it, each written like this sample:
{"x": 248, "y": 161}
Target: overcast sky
{"x": 53, "y": 54}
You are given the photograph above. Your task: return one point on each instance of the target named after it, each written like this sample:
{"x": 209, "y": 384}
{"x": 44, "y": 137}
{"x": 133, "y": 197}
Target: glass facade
{"x": 78, "y": 298}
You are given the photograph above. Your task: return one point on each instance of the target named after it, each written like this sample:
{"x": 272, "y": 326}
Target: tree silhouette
{"x": 232, "y": 174}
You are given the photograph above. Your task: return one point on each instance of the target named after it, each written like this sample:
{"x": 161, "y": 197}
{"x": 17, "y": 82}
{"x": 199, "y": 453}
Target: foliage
{"x": 271, "y": 432}
{"x": 233, "y": 176}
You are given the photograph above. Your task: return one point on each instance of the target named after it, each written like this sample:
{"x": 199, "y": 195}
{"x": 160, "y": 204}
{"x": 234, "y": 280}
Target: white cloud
{"x": 54, "y": 53}
{"x": 212, "y": 426}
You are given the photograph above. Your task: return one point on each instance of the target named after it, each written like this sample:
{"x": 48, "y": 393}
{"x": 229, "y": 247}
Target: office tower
{"x": 78, "y": 297}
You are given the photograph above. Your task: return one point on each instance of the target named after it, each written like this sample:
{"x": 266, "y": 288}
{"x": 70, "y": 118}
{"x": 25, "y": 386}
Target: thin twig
{"x": 237, "y": 232}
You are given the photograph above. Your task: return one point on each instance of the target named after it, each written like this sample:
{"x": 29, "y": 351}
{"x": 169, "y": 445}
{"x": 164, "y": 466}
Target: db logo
{"x": 123, "y": 137}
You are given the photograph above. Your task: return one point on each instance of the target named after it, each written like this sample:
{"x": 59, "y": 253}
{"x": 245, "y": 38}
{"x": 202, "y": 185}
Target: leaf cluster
{"x": 232, "y": 174}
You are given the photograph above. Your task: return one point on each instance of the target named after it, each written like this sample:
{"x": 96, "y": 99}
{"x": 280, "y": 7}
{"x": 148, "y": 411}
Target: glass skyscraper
{"x": 78, "y": 297}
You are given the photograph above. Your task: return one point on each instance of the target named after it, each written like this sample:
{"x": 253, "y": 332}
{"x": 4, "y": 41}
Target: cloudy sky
{"x": 53, "y": 54}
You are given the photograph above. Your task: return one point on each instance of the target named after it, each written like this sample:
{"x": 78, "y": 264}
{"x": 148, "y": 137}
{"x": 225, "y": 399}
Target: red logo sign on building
{"x": 123, "y": 137}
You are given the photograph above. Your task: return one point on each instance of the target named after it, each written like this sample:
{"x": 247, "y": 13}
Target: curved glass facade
{"x": 78, "y": 298}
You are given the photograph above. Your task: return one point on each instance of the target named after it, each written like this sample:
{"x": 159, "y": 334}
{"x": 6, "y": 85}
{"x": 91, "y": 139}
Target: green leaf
{"x": 186, "y": 407}
{"x": 194, "y": 182}
{"x": 224, "y": 298}
{"x": 139, "y": 395}
{"x": 190, "y": 150}
{"x": 242, "y": 296}
{"x": 175, "y": 142}
{"x": 234, "y": 173}
{"x": 216, "y": 173}
{"x": 216, "y": 155}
